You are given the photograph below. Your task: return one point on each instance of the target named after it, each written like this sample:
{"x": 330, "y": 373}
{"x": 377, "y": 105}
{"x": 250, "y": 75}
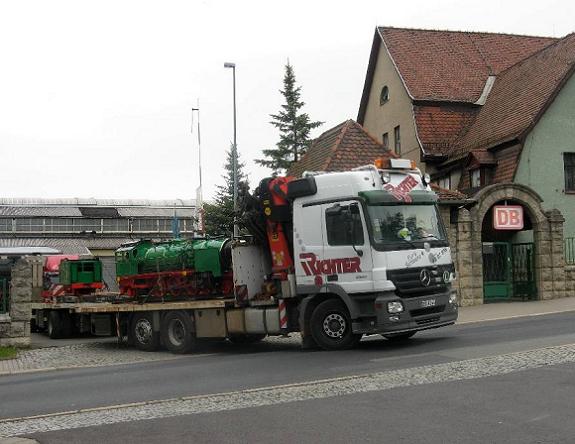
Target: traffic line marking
{"x": 274, "y": 395}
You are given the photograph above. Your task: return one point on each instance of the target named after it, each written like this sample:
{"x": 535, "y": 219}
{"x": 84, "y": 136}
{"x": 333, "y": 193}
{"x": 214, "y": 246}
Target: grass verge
{"x": 8, "y": 353}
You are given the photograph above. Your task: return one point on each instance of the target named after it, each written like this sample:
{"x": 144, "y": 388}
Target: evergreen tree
{"x": 219, "y": 216}
{"x": 294, "y": 127}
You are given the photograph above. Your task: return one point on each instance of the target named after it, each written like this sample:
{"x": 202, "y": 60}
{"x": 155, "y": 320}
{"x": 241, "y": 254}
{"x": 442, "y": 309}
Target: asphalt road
{"x": 481, "y": 382}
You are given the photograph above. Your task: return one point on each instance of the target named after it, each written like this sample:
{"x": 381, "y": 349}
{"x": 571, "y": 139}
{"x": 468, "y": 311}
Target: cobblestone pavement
{"x": 79, "y": 355}
{"x": 94, "y": 354}
{"x": 453, "y": 371}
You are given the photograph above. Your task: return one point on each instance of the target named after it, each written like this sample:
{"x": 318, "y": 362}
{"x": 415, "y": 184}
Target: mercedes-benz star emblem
{"x": 425, "y": 277}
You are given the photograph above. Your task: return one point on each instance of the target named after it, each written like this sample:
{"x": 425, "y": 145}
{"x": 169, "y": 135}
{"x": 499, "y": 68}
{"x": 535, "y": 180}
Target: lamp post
{"x": 235, "y": 152}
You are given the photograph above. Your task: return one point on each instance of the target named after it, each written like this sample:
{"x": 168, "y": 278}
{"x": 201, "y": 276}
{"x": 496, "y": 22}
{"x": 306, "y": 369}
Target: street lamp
{"x": 235, "y": 153}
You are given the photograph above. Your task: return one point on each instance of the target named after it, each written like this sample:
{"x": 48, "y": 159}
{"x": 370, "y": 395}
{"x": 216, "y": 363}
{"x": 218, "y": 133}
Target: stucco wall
{"x": 541, "y": 162}
{"x": 398, "y": 110}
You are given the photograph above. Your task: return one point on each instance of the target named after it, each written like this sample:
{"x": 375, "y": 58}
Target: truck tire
{"x": 178, "y": 332}
{"x": 244, "y": 339}
{"x": 59, "y": 324}
{"x": 53, "y": 329}
{"x": 330, "y": 326}
{"x": 399, "y": 337}
{"x": 142, "y": 332}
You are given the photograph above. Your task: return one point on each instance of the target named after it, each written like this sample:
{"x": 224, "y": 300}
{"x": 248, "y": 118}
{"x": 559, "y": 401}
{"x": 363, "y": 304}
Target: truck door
{"x": 347, "y": 259}
{"x": 308, "y": 244}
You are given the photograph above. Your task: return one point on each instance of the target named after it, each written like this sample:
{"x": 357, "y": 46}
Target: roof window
{"x": 384, "y": 96}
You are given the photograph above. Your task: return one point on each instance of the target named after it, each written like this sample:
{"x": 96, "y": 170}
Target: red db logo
{"x": 508, "y": 217}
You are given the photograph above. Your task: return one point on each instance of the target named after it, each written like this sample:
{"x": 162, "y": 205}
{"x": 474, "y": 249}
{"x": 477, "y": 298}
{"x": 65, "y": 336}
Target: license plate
{"x": 428, "y": 303}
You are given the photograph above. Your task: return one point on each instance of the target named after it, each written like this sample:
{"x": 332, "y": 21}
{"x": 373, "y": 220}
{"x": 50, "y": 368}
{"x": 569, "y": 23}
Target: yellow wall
{"x": 398, "y": 110}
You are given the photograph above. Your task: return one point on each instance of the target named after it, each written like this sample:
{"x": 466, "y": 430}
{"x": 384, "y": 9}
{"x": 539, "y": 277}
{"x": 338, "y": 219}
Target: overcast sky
{"x": 96, "y": 96}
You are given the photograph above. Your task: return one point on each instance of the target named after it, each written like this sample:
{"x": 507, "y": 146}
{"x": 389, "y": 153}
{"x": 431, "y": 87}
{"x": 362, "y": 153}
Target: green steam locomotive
{"x": 179, "y": 268}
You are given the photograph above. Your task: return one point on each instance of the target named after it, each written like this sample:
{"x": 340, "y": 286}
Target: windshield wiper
{"x": 429, "y": 236}
{"x": 409, "y": 242}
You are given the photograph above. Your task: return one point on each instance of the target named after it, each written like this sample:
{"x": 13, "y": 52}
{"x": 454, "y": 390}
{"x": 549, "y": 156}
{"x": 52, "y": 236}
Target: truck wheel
{"x": 330, "y": 326}
{"x": 142, "y": 332}
{"x": 399, "y": 336}
{"x": 242, "y": 339}
{"x": 178, "y": 333}
{"x": 54, "y": 328}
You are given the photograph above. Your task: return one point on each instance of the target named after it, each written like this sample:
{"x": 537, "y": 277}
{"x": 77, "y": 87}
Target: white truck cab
{"x": 374, "y": 237}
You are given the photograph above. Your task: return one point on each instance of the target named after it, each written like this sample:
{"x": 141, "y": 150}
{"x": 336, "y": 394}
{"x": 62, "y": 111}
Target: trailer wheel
{"x": 142, "y": 332}
{"x": 243, "y": 339}
{"x": 59, "y": 325}
{"x": 178, "y": 333}
{"x": 399, "y": 337}
{"x": 330, "y": 326}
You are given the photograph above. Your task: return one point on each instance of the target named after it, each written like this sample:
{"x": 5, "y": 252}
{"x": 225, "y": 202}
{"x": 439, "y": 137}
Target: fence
{"x": 570, "y": 250}
{"x": 4, "y": 296}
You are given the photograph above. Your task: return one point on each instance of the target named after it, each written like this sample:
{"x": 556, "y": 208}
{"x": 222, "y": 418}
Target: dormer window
{"x": 481, "y": 176}
{"x": 384, "y": 96}
{"x": 475, "y": 177}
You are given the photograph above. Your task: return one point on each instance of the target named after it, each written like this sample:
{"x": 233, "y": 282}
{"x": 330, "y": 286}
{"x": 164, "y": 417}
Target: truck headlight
{"x": 394, "y": 307}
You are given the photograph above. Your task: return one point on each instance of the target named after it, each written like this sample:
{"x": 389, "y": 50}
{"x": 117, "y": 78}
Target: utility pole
{"x": 199, "y": 197}
{"x": 235, "y": 153}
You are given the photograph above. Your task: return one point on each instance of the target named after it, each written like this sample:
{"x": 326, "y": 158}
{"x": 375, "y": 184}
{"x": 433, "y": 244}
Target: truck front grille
{"x": 408, "y": 282}
{"x": 428, "y": 320}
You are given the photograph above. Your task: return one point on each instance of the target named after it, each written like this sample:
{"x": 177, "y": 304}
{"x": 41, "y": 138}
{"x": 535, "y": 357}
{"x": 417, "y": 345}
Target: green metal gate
{"x": 508, "y": 271}
{"x": 523, "y": 271}
{"x": 4, "y": 296}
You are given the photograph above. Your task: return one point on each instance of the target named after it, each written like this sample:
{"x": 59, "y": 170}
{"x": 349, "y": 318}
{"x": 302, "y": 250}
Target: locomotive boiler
{"x": 179, "y": 268}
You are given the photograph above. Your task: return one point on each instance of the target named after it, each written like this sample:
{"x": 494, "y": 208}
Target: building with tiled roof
{"x": 476, "y": 108}
{"x": 91, "y": 226}
{"x": 340, "y": 148}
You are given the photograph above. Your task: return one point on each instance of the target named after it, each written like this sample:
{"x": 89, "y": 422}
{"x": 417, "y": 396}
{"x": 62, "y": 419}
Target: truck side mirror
{"x": 353, "y": 215}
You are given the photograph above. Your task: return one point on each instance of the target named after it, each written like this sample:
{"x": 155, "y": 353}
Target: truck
{"x": 333, "y": 256}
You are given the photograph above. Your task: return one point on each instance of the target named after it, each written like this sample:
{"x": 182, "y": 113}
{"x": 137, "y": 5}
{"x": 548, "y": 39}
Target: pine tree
{"x": 219, "y": 216}
{"x": 294, "y": 127}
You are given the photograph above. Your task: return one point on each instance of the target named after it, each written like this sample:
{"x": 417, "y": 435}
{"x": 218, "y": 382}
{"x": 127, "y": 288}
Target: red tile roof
{"x": 454, "y": 65}
{"x": 340, "y": 148}
{"x": 450, "y": 69}
{"x": 440, "y": 125}
{"x": 446, "y": 195}
{"x": 519, "y": 96}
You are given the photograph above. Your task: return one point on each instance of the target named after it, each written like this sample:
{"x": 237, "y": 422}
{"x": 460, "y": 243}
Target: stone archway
{"x": 547, "y": 234}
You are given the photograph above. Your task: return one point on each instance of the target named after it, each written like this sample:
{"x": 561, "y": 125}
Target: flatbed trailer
{"x": 177, "y": 325}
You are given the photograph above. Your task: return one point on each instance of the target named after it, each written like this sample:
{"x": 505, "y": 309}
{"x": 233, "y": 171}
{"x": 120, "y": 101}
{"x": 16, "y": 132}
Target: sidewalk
{"x": 507, "y": 310}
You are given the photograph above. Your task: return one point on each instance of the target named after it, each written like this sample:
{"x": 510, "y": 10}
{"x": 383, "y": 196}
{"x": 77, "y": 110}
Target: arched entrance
{"x": 508, "y": 250}
{"x": 507, "y": 264}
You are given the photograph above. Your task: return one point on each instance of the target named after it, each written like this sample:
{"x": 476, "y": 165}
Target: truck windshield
{"x": 406, "y": 224}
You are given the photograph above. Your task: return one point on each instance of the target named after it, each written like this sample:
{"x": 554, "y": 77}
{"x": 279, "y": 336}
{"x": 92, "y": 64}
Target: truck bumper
{"x": 419, "y": 313}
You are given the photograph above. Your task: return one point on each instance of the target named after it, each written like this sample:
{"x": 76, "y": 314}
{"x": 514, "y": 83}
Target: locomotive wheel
{"x": 331, "y": 326}
{"x": 142, "y": 333}
{"x": 178, "y": 333}
{"x": 240, "y": 339}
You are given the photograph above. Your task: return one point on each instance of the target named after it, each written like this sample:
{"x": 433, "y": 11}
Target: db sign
{"x": 508, "y": 217}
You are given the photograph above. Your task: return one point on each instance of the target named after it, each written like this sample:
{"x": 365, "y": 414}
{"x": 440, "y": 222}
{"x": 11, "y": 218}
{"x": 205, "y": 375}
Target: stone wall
{"x": 15, "y": 325}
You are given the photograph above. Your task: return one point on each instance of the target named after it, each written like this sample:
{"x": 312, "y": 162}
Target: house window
{"x": 385, "y": 141}
{"x": 384, "y": 95}
{"x": 569, "y": 167}
{"x": 397, "y": 137}
{"x": 445, "y": 182}
{"x": 475, "y": 178}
